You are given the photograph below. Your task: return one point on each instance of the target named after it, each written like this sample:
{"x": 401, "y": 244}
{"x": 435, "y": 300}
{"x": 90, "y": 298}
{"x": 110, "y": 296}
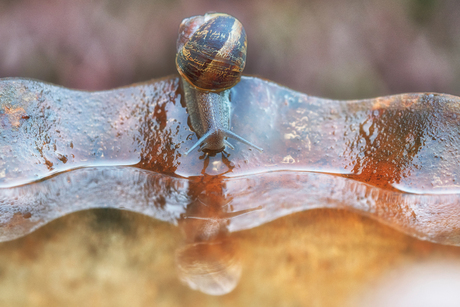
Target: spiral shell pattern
{"x": 214, "y": 57}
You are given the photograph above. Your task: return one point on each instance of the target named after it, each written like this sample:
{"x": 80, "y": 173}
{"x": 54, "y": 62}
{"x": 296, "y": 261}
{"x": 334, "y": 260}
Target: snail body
{"x": 210, "y": 60}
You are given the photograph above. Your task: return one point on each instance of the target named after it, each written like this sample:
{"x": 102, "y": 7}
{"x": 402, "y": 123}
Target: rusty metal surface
{"x": 394, "y": 158}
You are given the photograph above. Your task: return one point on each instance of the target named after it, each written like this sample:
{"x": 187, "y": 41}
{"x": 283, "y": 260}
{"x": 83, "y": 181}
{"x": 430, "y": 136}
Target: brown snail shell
{"x": 214, "y": 57}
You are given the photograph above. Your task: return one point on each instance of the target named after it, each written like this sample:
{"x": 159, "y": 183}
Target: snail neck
{"x": 209, "y": 114}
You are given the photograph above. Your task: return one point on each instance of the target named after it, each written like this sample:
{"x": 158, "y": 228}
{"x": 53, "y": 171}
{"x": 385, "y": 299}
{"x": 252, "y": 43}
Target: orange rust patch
{"x": 14, "y": 115}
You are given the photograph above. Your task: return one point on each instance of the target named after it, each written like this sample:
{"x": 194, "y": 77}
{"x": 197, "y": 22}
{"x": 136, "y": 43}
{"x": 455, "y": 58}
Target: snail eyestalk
{"x": 227, "y": 133}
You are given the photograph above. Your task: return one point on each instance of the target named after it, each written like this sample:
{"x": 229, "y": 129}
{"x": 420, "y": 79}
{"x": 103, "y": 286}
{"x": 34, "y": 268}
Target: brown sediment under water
{"x": 394, "y": 159}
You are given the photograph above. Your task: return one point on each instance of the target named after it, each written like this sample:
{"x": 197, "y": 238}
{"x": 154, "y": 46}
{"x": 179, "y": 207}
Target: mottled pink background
{"x": 331, "y": 48}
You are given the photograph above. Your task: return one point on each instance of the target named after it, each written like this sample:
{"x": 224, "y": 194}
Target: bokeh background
{"x": 334, "y": 48}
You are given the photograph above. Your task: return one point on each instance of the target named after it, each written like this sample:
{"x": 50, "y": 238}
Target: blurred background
{"x": 337, "y": 49}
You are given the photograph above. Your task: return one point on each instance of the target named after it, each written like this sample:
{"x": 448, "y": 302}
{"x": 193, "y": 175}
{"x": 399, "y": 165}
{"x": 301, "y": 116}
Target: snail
{"x": 211, "y": 55}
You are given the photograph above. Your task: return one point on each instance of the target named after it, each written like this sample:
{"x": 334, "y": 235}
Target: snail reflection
{"x": 211, "y": 267}
{"x": 209, "y": 259}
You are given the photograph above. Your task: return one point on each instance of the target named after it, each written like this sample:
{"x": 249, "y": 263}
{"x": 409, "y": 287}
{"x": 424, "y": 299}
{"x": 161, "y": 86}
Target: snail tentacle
{"x": 229, "y": 144}
{"x": 200, "y": 141}
{"x": 235, "y": 136}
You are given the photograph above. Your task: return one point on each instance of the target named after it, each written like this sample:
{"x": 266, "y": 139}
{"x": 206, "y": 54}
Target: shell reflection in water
{"x": 211, "y": 267}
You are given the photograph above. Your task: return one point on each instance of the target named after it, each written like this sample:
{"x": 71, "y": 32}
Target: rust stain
{"x": 14, "y": 115}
